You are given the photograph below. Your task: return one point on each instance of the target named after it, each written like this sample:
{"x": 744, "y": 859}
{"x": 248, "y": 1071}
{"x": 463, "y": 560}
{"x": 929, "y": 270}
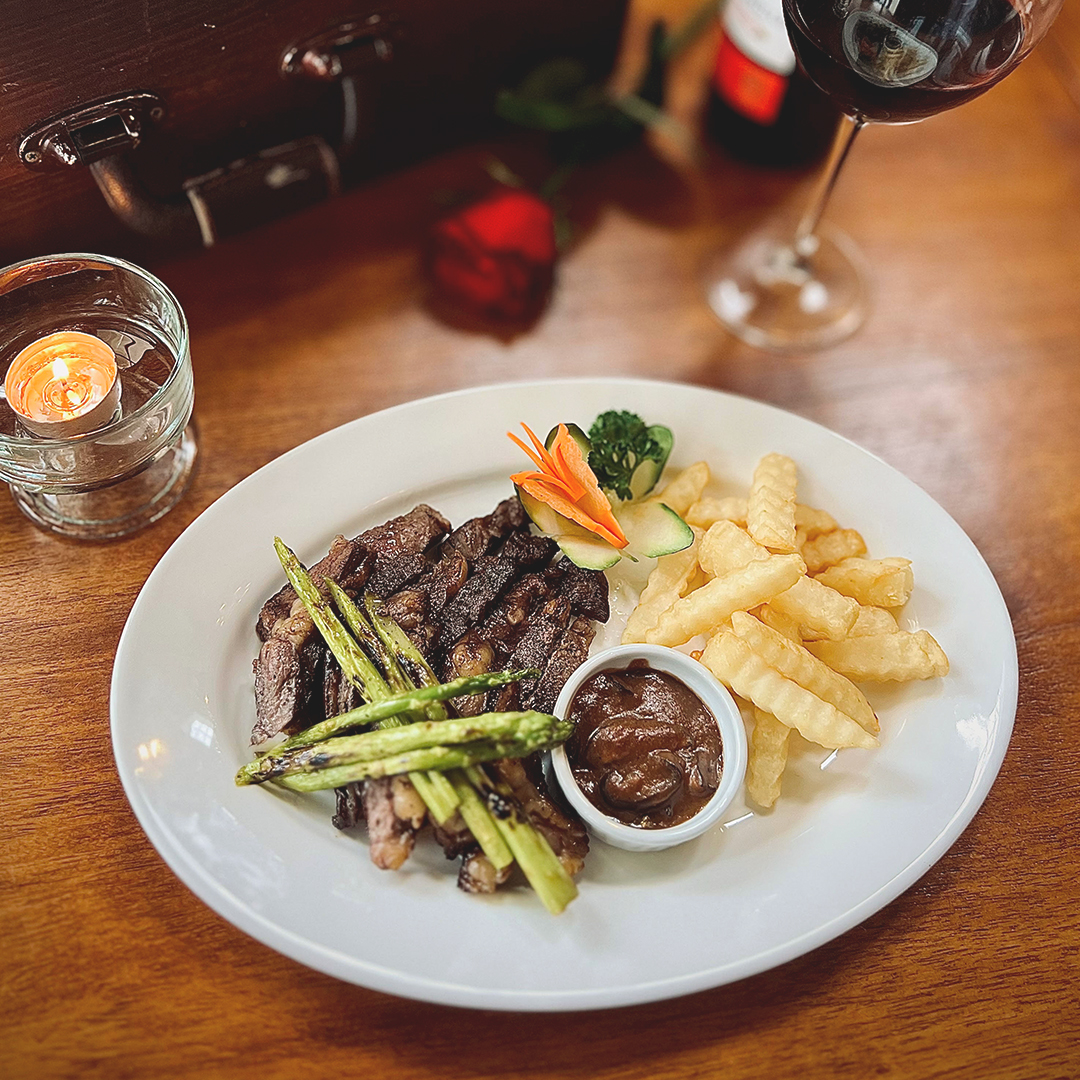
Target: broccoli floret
{"x": 620, "y": 442}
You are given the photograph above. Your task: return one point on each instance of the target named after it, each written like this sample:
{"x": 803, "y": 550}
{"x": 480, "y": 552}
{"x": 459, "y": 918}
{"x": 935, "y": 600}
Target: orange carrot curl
{"x": 565, "y": 482}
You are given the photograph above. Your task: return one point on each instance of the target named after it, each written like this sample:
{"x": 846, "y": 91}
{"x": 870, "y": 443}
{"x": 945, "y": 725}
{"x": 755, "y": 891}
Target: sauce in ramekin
{"x": 646, "y": 750}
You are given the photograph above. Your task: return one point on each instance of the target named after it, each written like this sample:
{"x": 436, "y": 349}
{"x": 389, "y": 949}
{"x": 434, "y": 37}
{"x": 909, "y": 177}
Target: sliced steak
{"x": 536, "y": 644}
{"x": 565, "y": 834}
{"x": 471, "y": 655}
{"x": 394, "y": 572}
{"x": 394, "y": 815}
{"x": 587, "y": 590}
{"x": 350, "y": 806}
{"x": 492, "y": 576}
{"x": 339, "y": 694}
{"x": 480, "y": 535}
{"x": 454, "y": 837}
{"x": 506, "y": 622}
{"x": 288, "y": 680}
{"x": 399, "y": 546}
{"x": 415, "y": 531}
{"x": 570, "y": 652}
{"x": 348, "y": 563}
{"x": 478, "y": 875}
{"x": 528, "y": 552}
{"x": 417, "y": 608}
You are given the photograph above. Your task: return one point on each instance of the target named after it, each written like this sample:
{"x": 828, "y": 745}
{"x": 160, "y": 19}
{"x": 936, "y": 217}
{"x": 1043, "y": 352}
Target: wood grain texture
{"x": 967, "y": 378}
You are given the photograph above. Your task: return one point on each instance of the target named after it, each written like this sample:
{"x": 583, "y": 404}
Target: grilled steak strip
{"x": 480, "y": 535}
{"x": 400, "y": 547}
{"x": 395, "y": 814}
{"x": 289, "y": 668}
{"x": 347, "y": 563}
{"x": 570, "y": 652}
{"x": 407, "y": 535}
{"x": 478, "y": 875}
{"x": 350, "y": 806}
{"x": 492, "y": 576}
{"x": 508, "y": 620}
{"x": 339, "y": 694}
{"x": 417, "y": 608}
{"x": 454, "y": 837}
{"x": 587, "y": 590}
{"x": 288, "y": 679}
{"x": 471, "y": 655}
{"x": 566, "y": 835}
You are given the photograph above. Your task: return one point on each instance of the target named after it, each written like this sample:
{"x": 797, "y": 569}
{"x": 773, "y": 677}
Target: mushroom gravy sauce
{"x": 645, "y": 750}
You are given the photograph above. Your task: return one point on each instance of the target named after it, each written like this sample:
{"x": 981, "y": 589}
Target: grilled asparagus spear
{"x": 404, "y": 701}
{"x": 437, "y": 793}
{"x": 520, "y": 732}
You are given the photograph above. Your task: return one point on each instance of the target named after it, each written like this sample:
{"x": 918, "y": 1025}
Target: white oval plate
{"x": 849, "y": 834}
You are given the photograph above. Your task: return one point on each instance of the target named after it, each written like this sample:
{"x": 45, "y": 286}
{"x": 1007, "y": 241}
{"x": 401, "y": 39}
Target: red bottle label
{"x": 750, "y": 89}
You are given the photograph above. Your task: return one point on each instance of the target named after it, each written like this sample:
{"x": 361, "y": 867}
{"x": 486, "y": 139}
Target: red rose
{"x": 497, "y": 256}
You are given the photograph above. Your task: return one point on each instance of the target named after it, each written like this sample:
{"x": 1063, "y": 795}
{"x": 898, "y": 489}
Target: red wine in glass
{"x": 880, "y": 61}
{"x": 897, "y": 62}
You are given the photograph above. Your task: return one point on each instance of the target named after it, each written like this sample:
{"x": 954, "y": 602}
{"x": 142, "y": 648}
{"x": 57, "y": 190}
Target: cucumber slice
{"x": 580, "y": 546}
{"x": 589, "y": 552}
{"x": 653, "y": 529}
{"x": 648, "y": 471}
{"x": 644, "y": 478}
{"x": 576, "y": 434}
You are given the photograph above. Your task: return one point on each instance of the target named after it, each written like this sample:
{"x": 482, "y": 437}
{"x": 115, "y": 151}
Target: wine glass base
{"x": 775, "y": 298}
{"x": 120, "y": 509}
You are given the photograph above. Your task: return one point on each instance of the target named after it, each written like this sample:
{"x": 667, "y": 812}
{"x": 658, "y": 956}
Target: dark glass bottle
{"x": 763, "y": 108}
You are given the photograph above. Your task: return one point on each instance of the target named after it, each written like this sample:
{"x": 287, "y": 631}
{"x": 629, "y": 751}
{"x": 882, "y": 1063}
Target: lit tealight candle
{"x": 64, "y": 384}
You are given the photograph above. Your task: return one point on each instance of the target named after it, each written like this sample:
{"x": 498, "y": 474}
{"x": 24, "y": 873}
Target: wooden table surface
{"x": 967, "y": 378}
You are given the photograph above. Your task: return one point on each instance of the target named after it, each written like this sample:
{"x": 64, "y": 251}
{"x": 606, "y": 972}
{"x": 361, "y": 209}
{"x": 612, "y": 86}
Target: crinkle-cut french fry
{"x": 780, "y": 621}
{"x": 821, "y": 611}
{"x": 706, "y": 608}
{"x": 708, "y": 510}
{"x": 686, "y": 488}
{"x": 698, "y": 579}
{"x": 896, "y": 657}
{"x": 874, "y": 582}
{"x": 770, "y": 508}
{"x": 830, "y": 548}
{"x": 767, "y": 759}
{"x": 813, "y": 522}
{"x": 873, "y": 620}
{"x": 726, "y": 547}
{"x": 671, "y": 577}
{"x": 794, "y": 662}
{"x": 737, "y": 666}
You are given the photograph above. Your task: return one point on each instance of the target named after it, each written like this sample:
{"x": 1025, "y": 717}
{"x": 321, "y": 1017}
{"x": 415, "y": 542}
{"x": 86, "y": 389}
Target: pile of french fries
{"x": 793, "y": 612}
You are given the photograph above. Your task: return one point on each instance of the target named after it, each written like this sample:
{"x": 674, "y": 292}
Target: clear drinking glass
{"x": 881, "y": 61}
{"x": 129, "y": 472}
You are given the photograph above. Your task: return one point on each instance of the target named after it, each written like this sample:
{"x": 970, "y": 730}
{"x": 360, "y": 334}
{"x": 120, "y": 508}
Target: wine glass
{"x": 884, "y": 62}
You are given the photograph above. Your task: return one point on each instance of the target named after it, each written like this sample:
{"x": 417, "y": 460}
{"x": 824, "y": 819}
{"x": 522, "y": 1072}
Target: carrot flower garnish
{"x": 564, "y": 481}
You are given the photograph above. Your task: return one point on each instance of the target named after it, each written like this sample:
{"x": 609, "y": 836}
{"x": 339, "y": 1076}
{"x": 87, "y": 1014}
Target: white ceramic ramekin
{"x": 732, "y": 734}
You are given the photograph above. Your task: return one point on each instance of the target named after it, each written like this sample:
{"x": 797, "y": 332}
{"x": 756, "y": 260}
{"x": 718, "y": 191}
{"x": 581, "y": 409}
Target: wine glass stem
{"x": 846, "y": 131}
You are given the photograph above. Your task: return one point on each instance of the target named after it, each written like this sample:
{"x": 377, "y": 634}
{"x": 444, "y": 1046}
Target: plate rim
{"x": 336, "y": 963}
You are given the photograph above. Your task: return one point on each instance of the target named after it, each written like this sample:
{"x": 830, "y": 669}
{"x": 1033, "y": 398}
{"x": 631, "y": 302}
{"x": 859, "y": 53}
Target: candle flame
{"x": 60, "y": 377}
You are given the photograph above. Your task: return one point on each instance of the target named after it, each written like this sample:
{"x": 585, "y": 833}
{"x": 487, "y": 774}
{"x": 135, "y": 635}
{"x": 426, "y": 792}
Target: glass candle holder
{"x": 84, "y": 457}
